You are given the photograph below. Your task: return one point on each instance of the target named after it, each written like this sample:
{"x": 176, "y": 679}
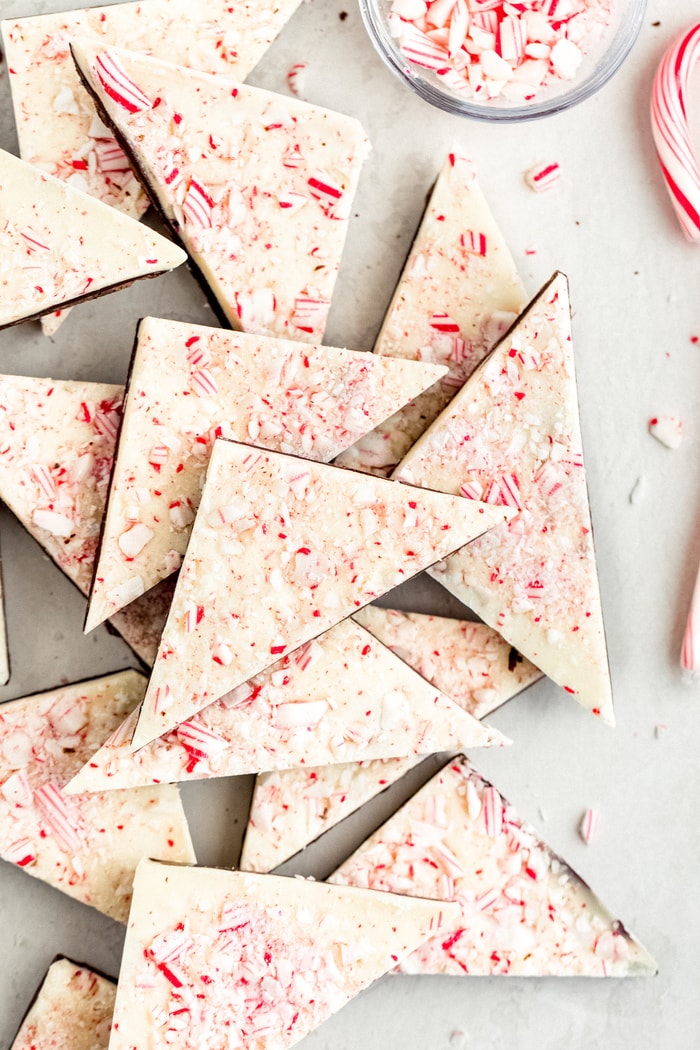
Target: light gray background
{"x": 634, "y": 285}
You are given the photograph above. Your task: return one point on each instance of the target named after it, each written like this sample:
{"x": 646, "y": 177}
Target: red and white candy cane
{"x": 669, "y": 123}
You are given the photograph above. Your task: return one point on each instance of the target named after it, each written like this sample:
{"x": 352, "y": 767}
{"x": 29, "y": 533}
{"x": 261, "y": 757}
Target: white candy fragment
{"x": 668, "y": 430}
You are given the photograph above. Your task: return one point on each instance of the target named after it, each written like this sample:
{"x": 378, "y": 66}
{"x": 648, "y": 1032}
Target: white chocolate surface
{"x": 57, "y": 440}
{"x": 87, "y": 846}
{"x": 281, "y": 550}
{"x": 73, "y": 1008}
{"x": 524, "y": 912}
{"x": 189, "y": 385}
{"x": 293, "y": 807}
{"x": 458, "y": 293}
{"x": 58, "y": 245}
{"x": 467, "y": 660}
{"x": 512, "y": 437}
{"x": 339, "y": 697}
{"x": 258, "y": 186}
{"x": 254, "y": 961}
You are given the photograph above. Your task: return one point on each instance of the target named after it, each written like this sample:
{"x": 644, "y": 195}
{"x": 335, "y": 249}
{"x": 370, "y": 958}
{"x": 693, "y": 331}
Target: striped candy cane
{"x": 669, "y": 125}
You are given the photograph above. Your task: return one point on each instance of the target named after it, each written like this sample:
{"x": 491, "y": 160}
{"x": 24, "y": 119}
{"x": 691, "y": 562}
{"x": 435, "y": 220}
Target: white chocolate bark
{"x": 87, "y": 846}
{"x": 228, "y": 959}
{"x": 281, "y": 550}
{"x": 190, "y": 384}
{"x": 4, "y": 654}
{"x": 512, "y": 436}
{"x": 524, "y": 912}
{"x": 258, "y": 186}
{"x": 468, "y": 661}
{"x": 458, "y": 293}
{"x": 73, "y": 1008}
{"x": 57, "y": 125}
{"x": 342, "y": 696}
{"x": 58, "y": 245}
{"x": 56, "y": 450}
{"x": 293, "y": 807}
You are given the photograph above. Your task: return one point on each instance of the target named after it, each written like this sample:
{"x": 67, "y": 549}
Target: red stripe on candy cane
{"x": 118, "y": 85}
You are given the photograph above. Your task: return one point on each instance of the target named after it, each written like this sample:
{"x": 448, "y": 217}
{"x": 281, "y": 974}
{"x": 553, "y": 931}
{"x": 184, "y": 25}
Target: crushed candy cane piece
{"x": 498, "y": 50}
{"x": 296, "y": 78}
{"x": 543, "y": 176}
{"x": 668, "y": 430}
{"x": 588, "y": 825}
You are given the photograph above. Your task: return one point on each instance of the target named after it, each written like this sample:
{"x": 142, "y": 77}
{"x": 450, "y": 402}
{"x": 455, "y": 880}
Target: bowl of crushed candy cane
{"x": 503, "y": 61}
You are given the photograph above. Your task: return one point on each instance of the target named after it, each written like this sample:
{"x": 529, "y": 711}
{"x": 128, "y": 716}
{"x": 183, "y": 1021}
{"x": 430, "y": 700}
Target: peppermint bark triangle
{"x": 524, "y": 912}
{"x": 281, "y": 550}
{"x": 323, "y": 796}
{"x": 342, "y": 696}
{"x": 458, "y": 293}
{"x": 4, "y": 653}
{"x": 512, "y": 436}
{"x": 73, "y": 1007}
{"x": 257, "y": 186}
{"x": 57, "y": 126}
{"x": 265, "y": 959}
{"x": 59, "y": 246}
{"x": 189, "y": 384}
{"x": 87, "y": 846}
{"x": 56, "y": 450}
{"x": 469, "y": 661}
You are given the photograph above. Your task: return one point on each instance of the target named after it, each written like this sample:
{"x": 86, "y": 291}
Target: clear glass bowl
{"x": 604, "y": 56}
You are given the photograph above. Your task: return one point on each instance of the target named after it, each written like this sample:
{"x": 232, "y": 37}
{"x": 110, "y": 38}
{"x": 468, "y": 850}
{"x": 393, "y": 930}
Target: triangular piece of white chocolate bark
{"x": 293, "y": 807}
{"x": 257, "y": 186}
{"x": 56, "y": 450}
{"x": 281, "y": 550}
{"x": 458, "y": 293}
{"x": 190, "y": 384}
{"x": 524, "y": 912}
{"x": 4, "y": 654}
{"x": 226, "y": 958}
{"x": 59, "y": 246}
{"x": 73, "y": 1007}
{"x": 512, "y": 437}
{"x": 88, "y": 846}
{"x": 469, "y": 661}
{"x": 73, "y": 144}
{"x": 339, "y": 697}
